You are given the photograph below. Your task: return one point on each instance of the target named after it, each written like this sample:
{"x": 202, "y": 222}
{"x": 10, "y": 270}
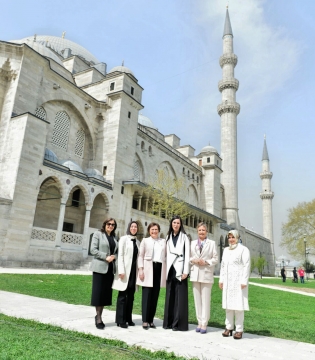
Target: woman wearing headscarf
{"x": 177, "y": 270}
{"x": 151, "y": 273}
{"x": 126, "y": 275}
{"x": 104, "y": 248}
{"x": 203, "y": 257}
{"x": 234, "y": 275}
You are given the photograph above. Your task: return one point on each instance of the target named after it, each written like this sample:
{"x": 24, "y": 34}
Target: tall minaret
{"x": 266, "y": 196}
{"x": 228, "y": 110}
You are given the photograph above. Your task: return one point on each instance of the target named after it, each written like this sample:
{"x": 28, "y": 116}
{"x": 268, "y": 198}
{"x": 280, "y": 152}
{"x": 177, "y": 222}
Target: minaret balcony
{"x": 228, "y": 107}
{"x": 228, "y": 59}
{"x": 266, "y": 175}
{"x": 228, "y": 84}
{"x": 267, "y": 195}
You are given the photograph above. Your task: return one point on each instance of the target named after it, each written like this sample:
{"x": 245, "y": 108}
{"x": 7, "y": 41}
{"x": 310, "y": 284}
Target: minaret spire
{"x": 266, "y": 196}
{"x": 228, "y": 111}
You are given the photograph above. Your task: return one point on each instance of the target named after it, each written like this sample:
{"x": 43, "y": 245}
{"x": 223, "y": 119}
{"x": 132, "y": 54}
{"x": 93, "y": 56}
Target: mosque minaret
{"x": 228, "y": 111}
{"x": 266, "y": 196}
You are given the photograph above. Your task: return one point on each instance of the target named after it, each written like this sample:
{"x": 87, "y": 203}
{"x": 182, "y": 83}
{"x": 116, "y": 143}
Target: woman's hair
{"x": 129, "y": 225}
{"x": 112, "y": 233}
{"x": 153, "y": 224}
{"x": 202, "y": 224}
{"x": 170, "y": 230}
{"x": 234, "y": 233}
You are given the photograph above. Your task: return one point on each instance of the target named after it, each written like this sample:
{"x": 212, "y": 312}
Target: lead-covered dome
{"x": 121, "y": 68}
{"x": 71, "y": 165}
{"x": 50, "y": 155}
{"x": 94, "y": 173}
{"x": 208, "y": 149}
{"x": 145, "y": 121}
{"x": 59, "y": 44}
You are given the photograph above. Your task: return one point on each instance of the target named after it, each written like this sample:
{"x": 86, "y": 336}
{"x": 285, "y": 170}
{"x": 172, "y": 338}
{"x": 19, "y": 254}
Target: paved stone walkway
{"x": 190, "y": 344}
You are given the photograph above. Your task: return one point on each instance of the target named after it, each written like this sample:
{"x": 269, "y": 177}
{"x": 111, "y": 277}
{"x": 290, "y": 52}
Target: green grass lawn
{"x": 272, "y": 312}
{"x": 310, "y": 284}
{"x": 25, "y": 339}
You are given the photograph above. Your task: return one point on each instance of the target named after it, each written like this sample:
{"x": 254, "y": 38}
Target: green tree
{"x": 260, "y": 264}
{"x": 300, "y": 224}
{"x": 166, "y": 194}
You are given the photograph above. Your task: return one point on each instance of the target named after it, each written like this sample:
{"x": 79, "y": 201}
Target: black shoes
{"x": 145, "y": 327}
{"x": 123, "y": 325}
{"x": 100, "y": 325}
{"x": 175, "y": 329}
{"x": 167, "y": 328}
{"x": 152, "y": 326}
{"x": 131, "y": 323}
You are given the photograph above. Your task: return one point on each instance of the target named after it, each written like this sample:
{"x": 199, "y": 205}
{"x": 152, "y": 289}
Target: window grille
{"x": 79, "y": 143}
{"x": 41, "y": 113}
{"x": 61, "y": 130}
{"x": 136, "y": 170}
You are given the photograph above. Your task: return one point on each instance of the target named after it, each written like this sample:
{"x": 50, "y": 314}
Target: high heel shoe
{"x": 238, "y": 335}
{"x": 227, "y": 333}
{"x": 145, "y": 327}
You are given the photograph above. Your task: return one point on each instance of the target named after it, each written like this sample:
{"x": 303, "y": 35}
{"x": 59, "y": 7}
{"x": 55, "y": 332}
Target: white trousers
{"x": 202, "y": 298}
{"x": 239, "y": 320}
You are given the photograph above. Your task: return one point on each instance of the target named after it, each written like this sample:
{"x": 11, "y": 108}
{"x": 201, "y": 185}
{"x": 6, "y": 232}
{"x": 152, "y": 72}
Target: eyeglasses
{"x": 110, "y": 224}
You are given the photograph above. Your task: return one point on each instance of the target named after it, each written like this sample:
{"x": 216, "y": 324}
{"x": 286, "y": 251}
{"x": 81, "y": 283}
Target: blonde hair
{"x": 202, "y": 224}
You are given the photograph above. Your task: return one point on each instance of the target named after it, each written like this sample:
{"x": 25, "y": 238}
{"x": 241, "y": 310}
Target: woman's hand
{"x": 141, "y": 274}
{"x": 220, "y": 285}
{"x": 202, "y": 262}
{"x": 110, "y": 258}
{"x": 184, "y": 276}
{"x": 243, "y": 286}
{"x": 121, "y": 276}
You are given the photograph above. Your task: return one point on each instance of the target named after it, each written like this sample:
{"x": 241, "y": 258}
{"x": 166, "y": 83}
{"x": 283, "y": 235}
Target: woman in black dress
{"x": 177, "y": 270}
{"x": 104, "y": 248}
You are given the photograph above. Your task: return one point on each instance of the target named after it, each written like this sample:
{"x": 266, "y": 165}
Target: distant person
{"x": 234, "y": 275}
{"x": 104, "y": 249}
{"x": 301, "y": 274}
{"x": 295, "y": 277}
{"x": 283, "y": 274}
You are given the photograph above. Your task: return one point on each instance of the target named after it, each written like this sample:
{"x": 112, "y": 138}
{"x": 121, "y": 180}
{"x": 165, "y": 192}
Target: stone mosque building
{"x": 75, "y": 149}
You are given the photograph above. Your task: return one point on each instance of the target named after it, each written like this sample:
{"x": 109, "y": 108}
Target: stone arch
{"x": 192, "y": 195}
{"x": 138, "y": 169}
{"x": 57, "y": 181}
{"x": 78, "y": 110}
{"x": 169, "y": 167}
{"x": 48, "y": 204}
{"x": 98, "y": 211}
{"x": 84, "y": 189}
{"x": 100, "y": 192}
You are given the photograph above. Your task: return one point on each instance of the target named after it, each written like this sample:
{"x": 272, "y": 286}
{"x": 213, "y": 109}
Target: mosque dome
{"x": 94, "y": 173}
{"x": 71, "y": 165}
{"x": 41, "y": 49}
{"x": 51, "y": 156}
{"x": 121, "y": 68}
{"x": 58, "y": 44}
{"x": 145, "y": 121}
{"x": 208, "y": 149}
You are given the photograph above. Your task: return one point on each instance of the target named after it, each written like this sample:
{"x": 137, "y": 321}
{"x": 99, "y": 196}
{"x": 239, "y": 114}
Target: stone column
{"x": 146, "y": 204}
{"x": 60, "y": 224}
{"x": 86, "y": 238}
{"x": 139, "y": 202}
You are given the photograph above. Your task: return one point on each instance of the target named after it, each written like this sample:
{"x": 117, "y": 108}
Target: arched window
{"x": 150, "y": 151}
{"x": 197, "y": 179}
{"x": 41, "y": 113}
{"x": 61, "y": 130}
{"x": 188, "y": 174}
{"x": 142, "y": 146}
{"x": 79, "y": 143}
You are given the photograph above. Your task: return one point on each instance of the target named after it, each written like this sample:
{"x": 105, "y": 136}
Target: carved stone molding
{"x": 266, "y": 175}
{"x": 228, "y": 59}
{"x": 267, "y": 195}
{"x": 228, "y": 107}
{"x": 6, "y": 72}
{"x": 228, "y": 84}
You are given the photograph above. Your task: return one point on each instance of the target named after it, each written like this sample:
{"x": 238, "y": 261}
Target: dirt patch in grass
{"x": 306, "y": 290}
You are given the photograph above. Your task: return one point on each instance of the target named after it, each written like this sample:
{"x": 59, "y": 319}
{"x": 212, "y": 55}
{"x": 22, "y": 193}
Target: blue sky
{"x": 173, "y": 48}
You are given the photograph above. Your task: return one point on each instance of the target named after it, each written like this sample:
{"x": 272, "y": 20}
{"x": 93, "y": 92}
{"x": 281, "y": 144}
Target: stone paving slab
{"x": 211, "y": 346}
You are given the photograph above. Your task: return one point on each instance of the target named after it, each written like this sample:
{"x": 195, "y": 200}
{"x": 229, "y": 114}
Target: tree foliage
{"x": 166, "y": 195}
{"x": 300, "y": 224}
{"x": 259, "y": 263}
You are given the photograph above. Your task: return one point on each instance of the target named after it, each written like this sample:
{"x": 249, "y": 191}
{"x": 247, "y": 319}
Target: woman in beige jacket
{"x": 203, "y": 257}
{"x": 151, "y": 274}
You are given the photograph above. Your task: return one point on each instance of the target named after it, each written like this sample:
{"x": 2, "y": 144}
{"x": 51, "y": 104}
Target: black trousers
{"x": 150, "y": 295}
{"x": 124, "y": 305}
{"x": 176, "y": 304}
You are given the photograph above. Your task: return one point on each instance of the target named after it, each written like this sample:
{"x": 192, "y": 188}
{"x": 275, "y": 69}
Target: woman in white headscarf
{"x": 234, "y": 275}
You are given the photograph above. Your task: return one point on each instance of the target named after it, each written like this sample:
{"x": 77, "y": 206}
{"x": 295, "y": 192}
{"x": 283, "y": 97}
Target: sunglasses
{"x": 110, "y": 224}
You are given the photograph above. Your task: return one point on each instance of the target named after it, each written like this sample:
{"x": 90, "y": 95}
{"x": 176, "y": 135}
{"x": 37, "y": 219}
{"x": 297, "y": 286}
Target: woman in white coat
{"x": 151, "y": 273}
{"x": 203, "y": 257}
{"x": 234, "y": 275}
{"x": 126, "y": 275}
{"x": 177, "y": 270}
